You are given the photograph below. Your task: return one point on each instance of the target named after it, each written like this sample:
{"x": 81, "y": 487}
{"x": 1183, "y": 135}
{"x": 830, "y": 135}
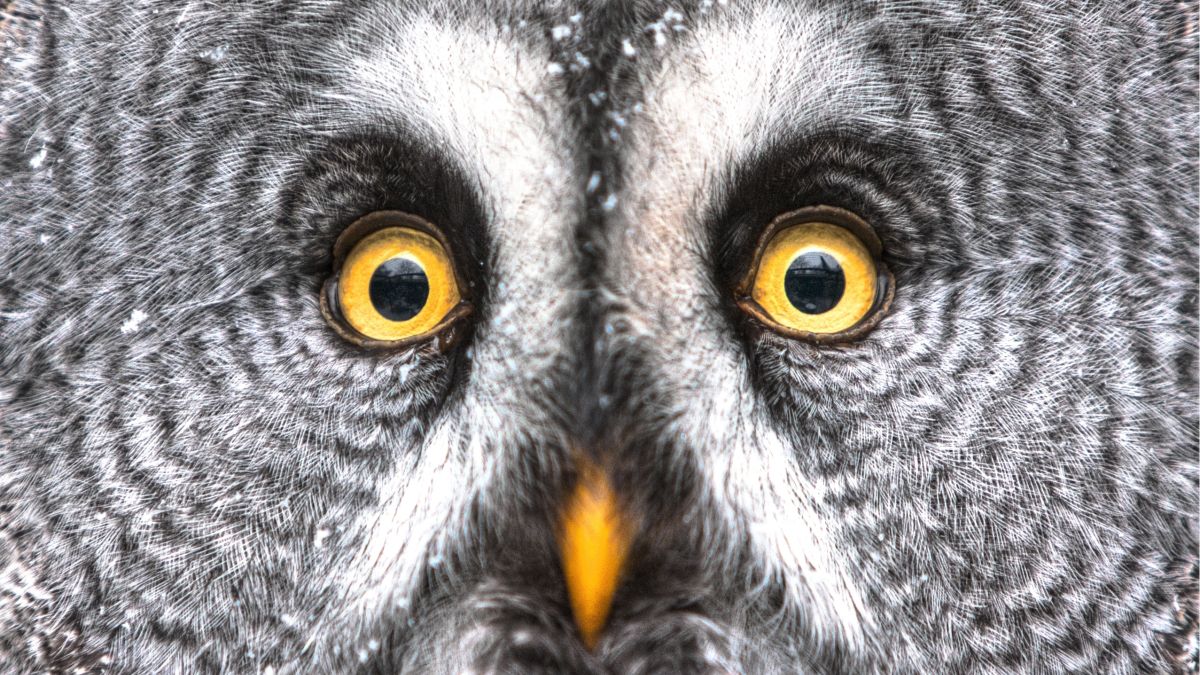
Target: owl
{"x": 605, "y": 337}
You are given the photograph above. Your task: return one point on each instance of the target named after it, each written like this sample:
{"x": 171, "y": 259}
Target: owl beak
{"x": 594, "y": 538}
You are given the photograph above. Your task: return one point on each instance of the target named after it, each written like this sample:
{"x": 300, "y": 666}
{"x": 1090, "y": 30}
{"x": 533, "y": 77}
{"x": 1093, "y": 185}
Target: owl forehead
{"x": 499, "y": 102}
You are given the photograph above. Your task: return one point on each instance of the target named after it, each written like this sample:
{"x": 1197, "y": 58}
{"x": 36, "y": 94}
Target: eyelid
{"x": 445, "y": 333}
{"x": 744, "y": 291}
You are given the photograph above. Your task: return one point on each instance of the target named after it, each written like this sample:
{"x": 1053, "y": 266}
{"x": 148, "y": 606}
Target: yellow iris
{"x": 397, "y": 283}
{"x": 816, "y": 278}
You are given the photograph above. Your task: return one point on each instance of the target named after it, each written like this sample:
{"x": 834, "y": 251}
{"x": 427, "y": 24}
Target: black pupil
{"x": 399, "y": 289}
{"x": 814, "y": 282}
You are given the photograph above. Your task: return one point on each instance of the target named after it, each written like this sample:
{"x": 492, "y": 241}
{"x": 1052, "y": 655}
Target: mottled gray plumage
{"x": 198, "y": 475}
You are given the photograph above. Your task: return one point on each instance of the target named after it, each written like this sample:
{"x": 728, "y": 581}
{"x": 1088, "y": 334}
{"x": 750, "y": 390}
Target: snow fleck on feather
{"x": 134, "y": 323}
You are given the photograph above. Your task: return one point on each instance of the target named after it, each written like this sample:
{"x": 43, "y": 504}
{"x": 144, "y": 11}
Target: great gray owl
{"x": 733, "y": 336}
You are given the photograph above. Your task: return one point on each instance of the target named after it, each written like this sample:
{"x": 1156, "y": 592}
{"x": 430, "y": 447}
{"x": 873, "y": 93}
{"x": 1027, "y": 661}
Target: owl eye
{"x": 817, "y": 275}
{"x": 394, "y": 282}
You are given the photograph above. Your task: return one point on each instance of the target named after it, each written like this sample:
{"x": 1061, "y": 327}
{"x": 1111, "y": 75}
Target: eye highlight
{"x": 394, "y": 282}
{"x": 817, "y": 275}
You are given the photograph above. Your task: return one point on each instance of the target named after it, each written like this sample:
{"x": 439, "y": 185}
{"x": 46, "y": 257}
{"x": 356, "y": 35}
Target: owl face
{"x": 624, "y": 338}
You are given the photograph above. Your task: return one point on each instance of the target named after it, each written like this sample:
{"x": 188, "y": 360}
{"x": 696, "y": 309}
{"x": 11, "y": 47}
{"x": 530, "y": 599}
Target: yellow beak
{"x": 594, "y": 539}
